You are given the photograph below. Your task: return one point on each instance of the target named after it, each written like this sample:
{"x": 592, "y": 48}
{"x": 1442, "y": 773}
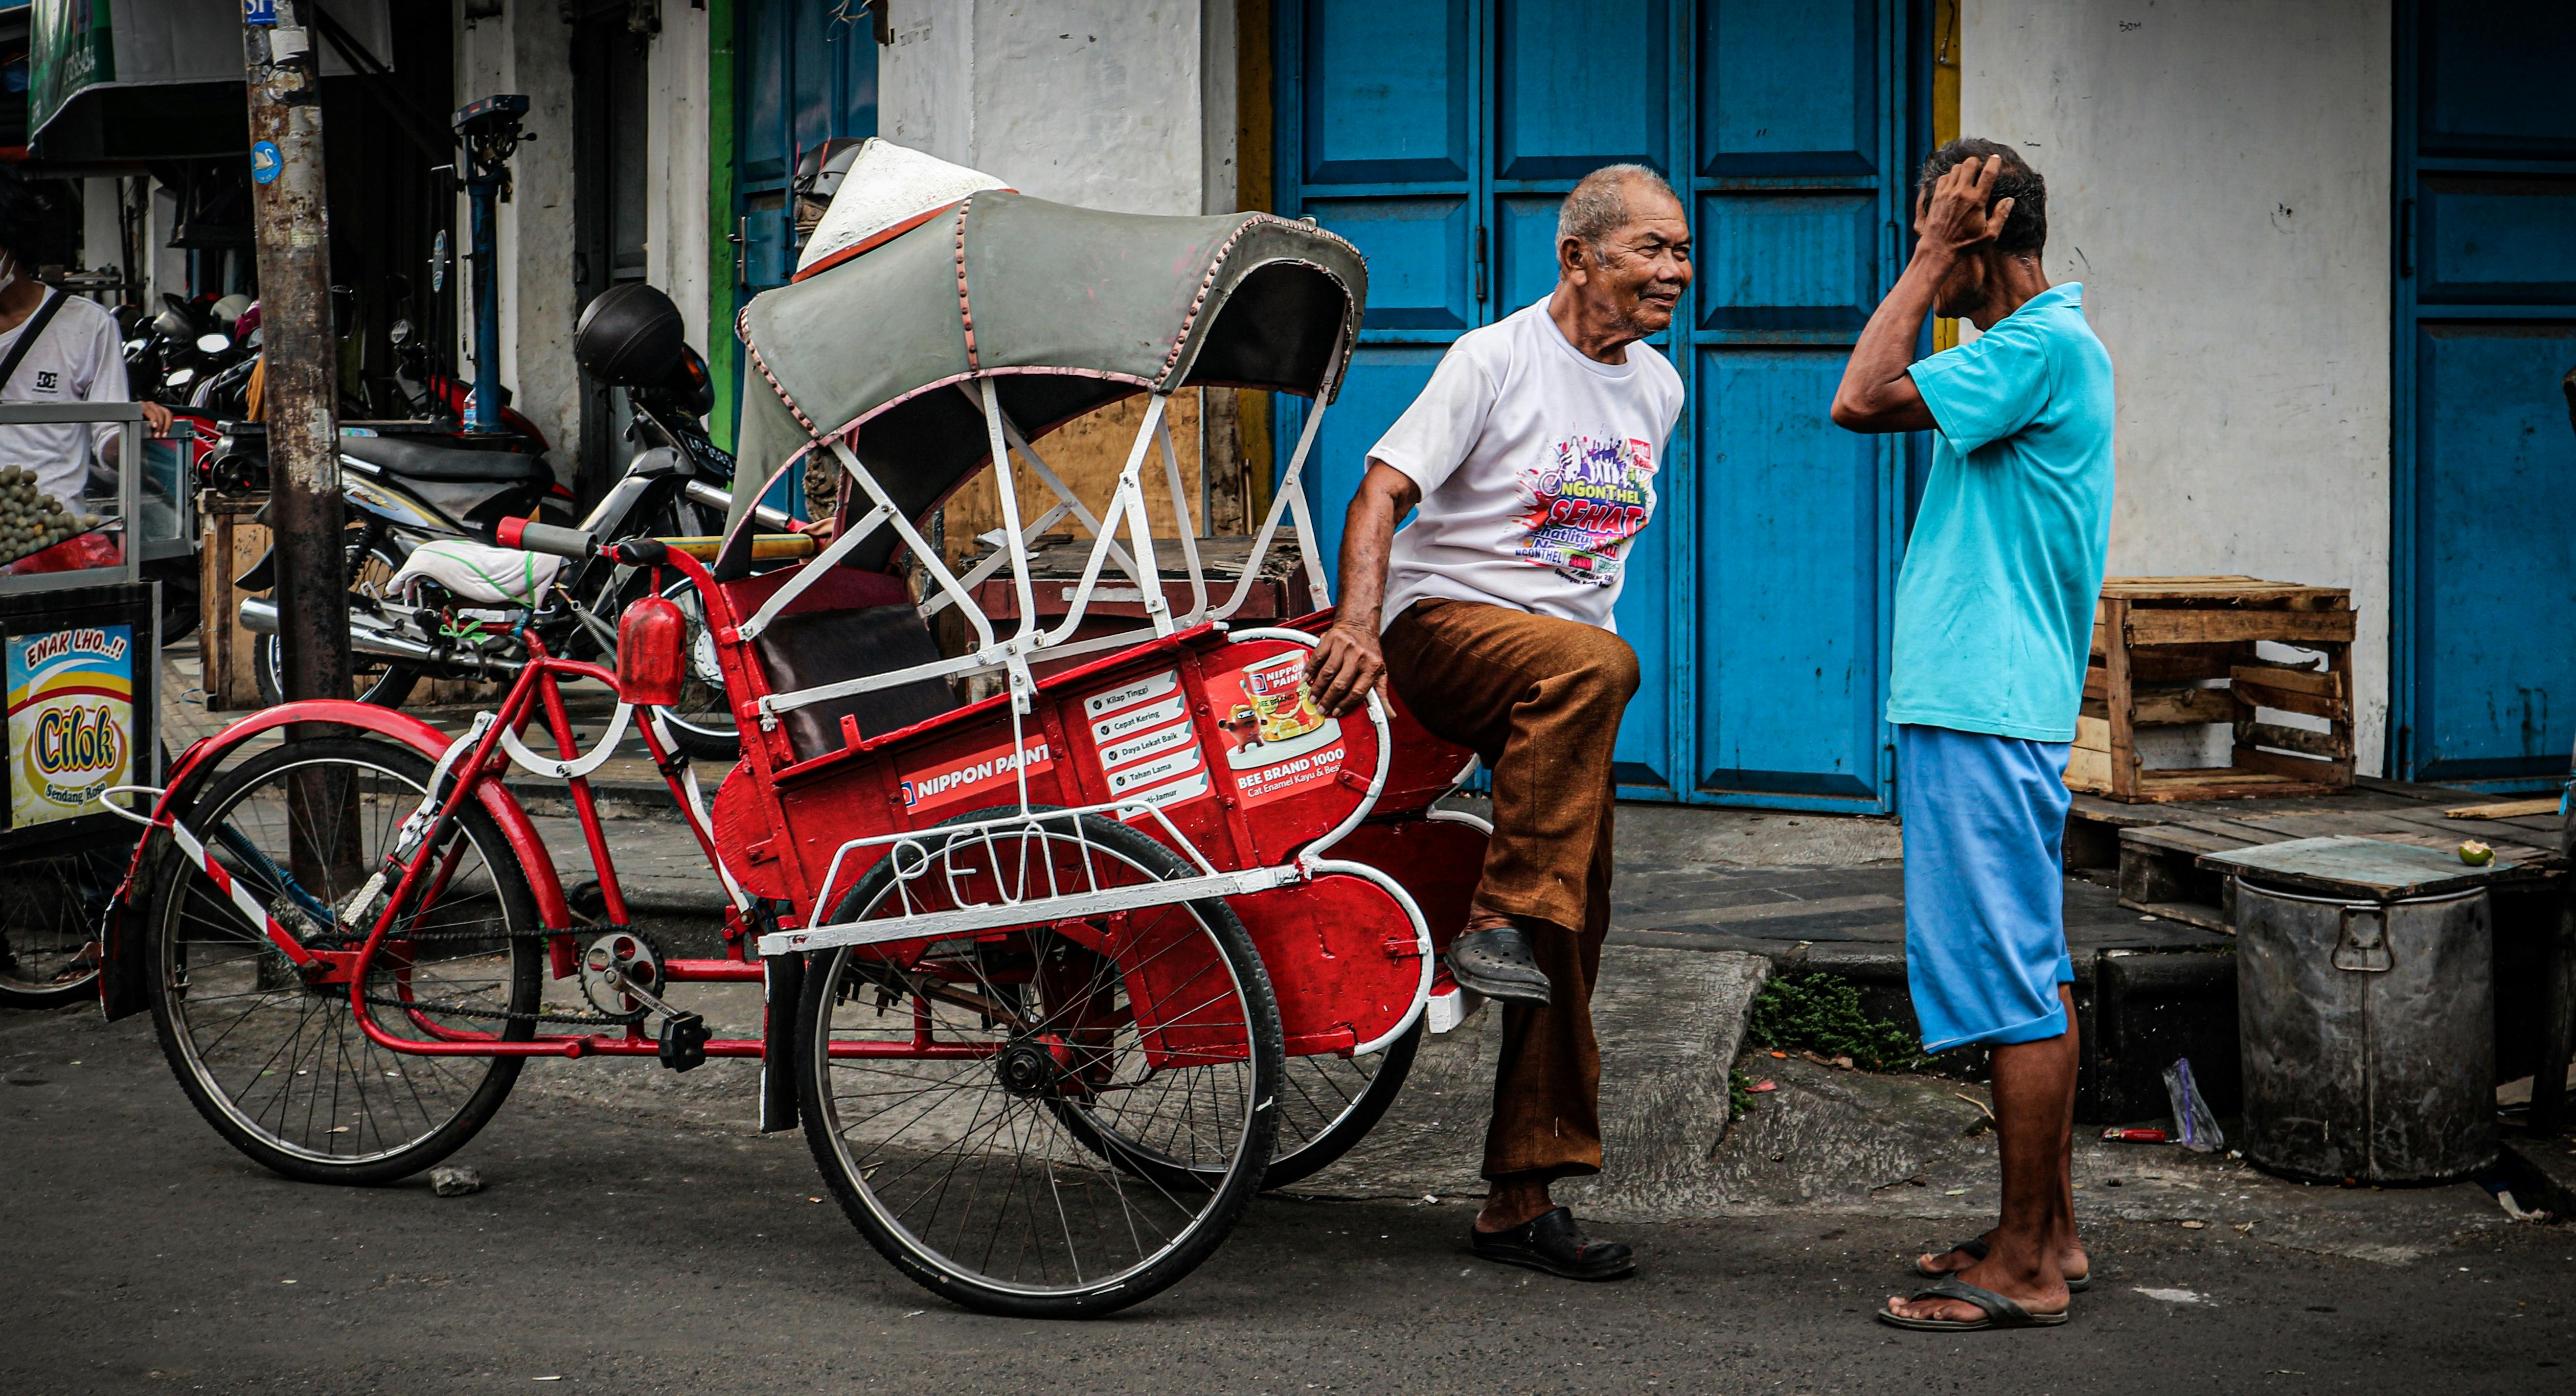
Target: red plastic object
{"x": 508, "y": 532}
{"x": 652, "y": 652}
{"x": 2137, "y": 1136}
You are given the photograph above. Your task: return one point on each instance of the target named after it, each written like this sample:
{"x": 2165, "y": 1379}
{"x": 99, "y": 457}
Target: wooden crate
{"x": 232, "y": 541}
{"x": 2182, "y": 651}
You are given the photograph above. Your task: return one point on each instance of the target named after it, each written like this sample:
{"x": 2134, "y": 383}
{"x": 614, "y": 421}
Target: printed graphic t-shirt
{"x": 1994, "y": 606}
{"x": 1537, "y": 467}
{"x": 77, "y": 360}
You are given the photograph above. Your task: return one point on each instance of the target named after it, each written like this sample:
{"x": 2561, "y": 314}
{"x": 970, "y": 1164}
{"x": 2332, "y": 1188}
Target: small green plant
{"x": 1739, "y": 1094}
{"x": 1822, "y": 1013}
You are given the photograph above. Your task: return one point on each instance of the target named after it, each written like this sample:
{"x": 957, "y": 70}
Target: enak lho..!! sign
{"x": 71, "y": 720}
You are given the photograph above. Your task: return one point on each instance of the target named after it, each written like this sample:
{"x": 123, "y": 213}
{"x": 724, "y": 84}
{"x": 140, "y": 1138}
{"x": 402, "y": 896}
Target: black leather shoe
{"x": 1552, "y": 1244}
{"x": 1498, "y": 963}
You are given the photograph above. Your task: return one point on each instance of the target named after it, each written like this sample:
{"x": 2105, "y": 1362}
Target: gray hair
{"x": 1598, "y": 206}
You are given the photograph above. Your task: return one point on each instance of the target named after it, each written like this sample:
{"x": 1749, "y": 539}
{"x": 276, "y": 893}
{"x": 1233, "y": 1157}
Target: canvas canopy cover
{"x": 1064, "y": 309}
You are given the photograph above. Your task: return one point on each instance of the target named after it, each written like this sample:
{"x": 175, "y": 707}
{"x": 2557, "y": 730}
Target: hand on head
{"x": 1955, "y": 213}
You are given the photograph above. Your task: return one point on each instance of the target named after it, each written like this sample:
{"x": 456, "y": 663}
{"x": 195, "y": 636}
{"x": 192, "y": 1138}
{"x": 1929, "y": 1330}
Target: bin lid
{"x": 2365, "y": 870}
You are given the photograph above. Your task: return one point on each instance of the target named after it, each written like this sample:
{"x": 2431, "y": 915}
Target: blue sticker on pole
{"x": 265, "y": 162}
{"x": 261, "y": 13}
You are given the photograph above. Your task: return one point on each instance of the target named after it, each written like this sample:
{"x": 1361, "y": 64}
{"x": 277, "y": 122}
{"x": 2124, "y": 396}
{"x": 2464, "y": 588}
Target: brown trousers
{"x": 1539, "y": 699}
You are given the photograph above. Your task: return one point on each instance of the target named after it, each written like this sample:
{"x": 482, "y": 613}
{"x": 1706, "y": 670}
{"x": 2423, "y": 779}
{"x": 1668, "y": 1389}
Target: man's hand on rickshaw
{"x": 156, "y": 417}
{"x": 821, "y": 530}
{"x": 1346, "y": 664}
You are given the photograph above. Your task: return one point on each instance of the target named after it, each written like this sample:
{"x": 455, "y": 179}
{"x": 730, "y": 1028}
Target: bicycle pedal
{"x": 684, "y": 1042}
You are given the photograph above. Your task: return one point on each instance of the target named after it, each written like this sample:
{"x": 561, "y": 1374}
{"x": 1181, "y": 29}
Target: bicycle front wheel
{"x": 280, "y": 1067}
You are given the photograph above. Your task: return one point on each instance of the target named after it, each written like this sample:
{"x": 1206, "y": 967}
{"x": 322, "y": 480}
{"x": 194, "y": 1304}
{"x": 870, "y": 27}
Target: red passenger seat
{"x": 849, "y": 625}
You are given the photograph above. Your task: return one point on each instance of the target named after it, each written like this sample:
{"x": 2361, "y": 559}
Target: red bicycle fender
{"x": 121, "y": 983}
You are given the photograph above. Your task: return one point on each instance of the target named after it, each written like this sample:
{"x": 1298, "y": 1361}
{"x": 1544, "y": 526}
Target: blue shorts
{"x": 1985, "y": 899}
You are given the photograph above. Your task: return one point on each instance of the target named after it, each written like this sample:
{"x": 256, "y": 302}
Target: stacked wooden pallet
{"x": 2184, "y": 651}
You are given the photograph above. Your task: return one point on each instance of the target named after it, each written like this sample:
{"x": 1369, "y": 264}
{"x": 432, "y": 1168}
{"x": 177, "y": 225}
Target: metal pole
{"x": 482, "y": 191}
{"x": 302, "y": 389}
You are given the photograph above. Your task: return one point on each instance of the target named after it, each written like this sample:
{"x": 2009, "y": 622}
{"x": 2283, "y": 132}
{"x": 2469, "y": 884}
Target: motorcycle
{"x": 433, "y": 592}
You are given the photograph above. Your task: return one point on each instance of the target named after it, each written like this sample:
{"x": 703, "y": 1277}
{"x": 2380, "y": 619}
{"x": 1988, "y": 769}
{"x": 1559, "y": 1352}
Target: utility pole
{"x": 302, "y": 391}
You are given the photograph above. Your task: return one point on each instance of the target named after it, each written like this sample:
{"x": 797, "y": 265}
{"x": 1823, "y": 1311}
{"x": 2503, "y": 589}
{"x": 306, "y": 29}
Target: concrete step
{"x": 1670, "y": 1024}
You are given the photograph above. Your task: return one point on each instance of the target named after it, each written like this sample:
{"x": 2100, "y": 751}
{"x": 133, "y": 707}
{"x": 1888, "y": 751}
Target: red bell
{"x": 652, "y": 652}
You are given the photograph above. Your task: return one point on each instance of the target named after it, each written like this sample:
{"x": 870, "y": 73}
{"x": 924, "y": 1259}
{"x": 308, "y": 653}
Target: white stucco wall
{"x": 2218, "y": 178}
{"x": 528, "y": 49}
{"x": 1091, "y": 102}
{"x": 675, "y": 221}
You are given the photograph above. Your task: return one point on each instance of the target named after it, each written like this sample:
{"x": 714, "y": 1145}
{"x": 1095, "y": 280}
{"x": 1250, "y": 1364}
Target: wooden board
{"x": 2505, "y": 809}
{"x": 232, "y": 542}
{"x": 2196, "y": 626}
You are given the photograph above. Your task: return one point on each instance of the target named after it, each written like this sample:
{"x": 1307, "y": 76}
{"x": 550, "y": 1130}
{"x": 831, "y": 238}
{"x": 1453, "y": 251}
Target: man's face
{"x": 1638, "y": 274}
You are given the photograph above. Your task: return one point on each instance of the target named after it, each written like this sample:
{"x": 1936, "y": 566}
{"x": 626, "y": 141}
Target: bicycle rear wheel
{"x": 969, "y": 1101}
{"x": 280, "y": 1068}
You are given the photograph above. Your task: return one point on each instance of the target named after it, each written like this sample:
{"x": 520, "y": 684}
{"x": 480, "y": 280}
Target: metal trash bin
{"x": 2366, "y": 1010}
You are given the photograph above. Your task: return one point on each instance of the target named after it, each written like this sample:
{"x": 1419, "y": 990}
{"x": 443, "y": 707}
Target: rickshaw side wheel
{"x": 944, "y": 1124}
{"x": 1342, "y": 1116}
{"x": 281, "y": 1069}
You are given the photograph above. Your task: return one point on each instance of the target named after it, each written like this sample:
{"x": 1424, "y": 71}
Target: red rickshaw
{"x": 1055, "y": 981}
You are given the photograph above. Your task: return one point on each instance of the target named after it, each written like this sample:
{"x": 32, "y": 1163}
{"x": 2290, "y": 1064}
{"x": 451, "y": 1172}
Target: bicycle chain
{"x": 507, "y": 1015}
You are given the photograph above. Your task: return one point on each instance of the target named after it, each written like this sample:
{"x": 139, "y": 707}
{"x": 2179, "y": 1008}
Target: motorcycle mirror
{"x": 212, "y": 344}
{"x": 399, "y": 332}
{"x": 182, "y": 377}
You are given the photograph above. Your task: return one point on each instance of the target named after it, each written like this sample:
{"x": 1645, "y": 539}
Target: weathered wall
{"x": 2219, "y": 181}
{"x": 1102, "y": 103}
{"x": 675, "y": 224}
{"x": 528, "y": 49}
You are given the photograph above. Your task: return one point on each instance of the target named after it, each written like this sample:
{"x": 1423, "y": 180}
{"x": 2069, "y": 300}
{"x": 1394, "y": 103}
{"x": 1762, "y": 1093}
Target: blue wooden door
{"x": 1440, "y": 136}
{"x": 2485, "y": 678}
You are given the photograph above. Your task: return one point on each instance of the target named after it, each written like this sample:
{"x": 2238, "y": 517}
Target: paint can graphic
{"x": 1282, "y": 714}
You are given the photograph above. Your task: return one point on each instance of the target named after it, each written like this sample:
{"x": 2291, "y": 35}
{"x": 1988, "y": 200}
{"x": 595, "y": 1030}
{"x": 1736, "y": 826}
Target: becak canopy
{"x": 1066, "y": 309}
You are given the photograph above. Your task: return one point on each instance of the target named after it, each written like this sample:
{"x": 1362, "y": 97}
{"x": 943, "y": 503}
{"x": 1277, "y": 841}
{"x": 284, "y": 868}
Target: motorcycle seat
{"x": 415, "y": 460}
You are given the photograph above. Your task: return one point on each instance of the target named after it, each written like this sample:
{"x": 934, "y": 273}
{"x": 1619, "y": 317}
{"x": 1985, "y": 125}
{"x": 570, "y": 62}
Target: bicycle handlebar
{"x": 555, "y": 539}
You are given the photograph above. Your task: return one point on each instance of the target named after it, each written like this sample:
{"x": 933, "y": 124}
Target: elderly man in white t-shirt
{"x": 1532, "y": 456}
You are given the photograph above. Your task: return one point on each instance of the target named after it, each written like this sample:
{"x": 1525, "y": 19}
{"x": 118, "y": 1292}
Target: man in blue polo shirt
{"x": 1994, "y": 621}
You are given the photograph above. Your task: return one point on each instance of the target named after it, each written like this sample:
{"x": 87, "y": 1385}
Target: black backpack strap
{"x": 27, "y": 337}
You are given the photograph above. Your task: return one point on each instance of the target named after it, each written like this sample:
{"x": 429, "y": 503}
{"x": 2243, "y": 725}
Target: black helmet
{"x": 630, "y": 336}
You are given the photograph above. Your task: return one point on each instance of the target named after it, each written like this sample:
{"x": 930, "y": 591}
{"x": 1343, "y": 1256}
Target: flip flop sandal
{"x": 1975, "y": 1249}
{"x": 2000, "y": 1311}
{"x": 1551, "y": 1244}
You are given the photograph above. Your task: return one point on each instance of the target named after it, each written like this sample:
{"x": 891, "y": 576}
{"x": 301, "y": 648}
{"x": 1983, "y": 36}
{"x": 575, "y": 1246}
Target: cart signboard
{"x": 82, "y": 671}
{"x": 71, "y": 720}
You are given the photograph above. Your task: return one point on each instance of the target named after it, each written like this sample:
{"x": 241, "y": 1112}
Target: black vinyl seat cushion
{"x": 415, "y": 460}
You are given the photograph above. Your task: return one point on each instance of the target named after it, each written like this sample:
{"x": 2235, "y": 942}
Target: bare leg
{"x": 2072, "y": 1262}
{"x": 2034, "y": 1092}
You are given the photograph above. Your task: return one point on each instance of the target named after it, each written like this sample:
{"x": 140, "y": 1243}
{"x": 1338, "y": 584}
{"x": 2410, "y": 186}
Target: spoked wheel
{"x": 1055, "y": 1120}
{"x": 702, "y": 722}
{"x": 281, "y": 1068}
{"x": 1332, "y": 1102}
{"x": 50, "y": 914}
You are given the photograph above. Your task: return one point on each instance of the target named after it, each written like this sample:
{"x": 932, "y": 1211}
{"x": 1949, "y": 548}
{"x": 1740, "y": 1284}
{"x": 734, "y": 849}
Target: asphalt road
{"x": 629, "y": 1251}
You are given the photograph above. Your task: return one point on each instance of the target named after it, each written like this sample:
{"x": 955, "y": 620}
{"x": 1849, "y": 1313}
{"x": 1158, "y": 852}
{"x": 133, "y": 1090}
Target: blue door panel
{"x": 2498, "y": 240}
{"x": 1440, "y": 136}
{"x": 2496, "y": 483}
{"x": 2485, "y": 293}
{"x": 1788, "y": 590}
{"x": 2494, "y": 79}
{"x": 1417, "y": 252}
{"x": 1387, "y": 91}
{"x": 1788, "y": 87}
{"x": 1788, "y": 261}
{"x": 1581, "y": 85}
{"x": 1384, "y": 380}
{"x": 1524, "y": 249}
